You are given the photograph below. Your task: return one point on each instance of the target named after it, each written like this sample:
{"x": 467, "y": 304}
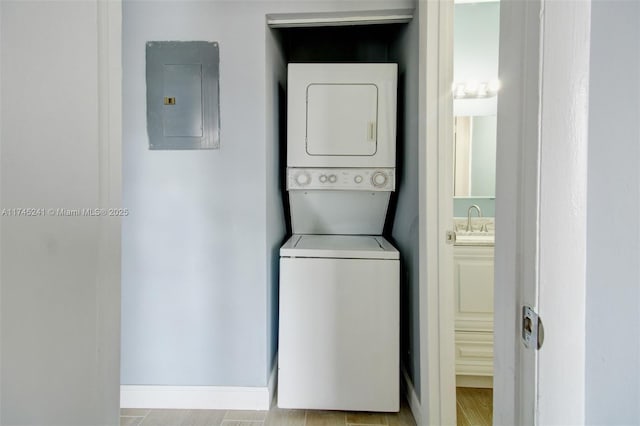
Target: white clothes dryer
{"x": 339, "y": 323}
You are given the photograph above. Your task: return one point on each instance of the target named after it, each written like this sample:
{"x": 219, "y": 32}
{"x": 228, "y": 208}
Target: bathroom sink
{"x": 474, "y": 238}
{"x": 482, "y": 232}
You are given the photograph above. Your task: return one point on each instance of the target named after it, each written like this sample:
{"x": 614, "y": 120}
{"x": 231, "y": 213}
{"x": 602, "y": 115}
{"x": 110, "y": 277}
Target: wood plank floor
{"x": 474, "y": 407}
{"x": 274, "y": 417}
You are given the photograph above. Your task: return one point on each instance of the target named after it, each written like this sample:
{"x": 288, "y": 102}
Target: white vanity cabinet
{"x": 473, "y": 282}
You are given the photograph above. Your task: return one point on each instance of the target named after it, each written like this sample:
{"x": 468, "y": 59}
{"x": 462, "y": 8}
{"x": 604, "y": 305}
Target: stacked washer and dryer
{"x": 339, "y": 278}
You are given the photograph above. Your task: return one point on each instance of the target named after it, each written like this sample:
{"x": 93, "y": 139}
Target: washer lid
{"x": 339, "y": 246}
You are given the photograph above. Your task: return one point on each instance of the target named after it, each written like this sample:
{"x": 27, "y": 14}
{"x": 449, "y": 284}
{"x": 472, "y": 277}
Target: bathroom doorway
{"x": 475, "y": 92}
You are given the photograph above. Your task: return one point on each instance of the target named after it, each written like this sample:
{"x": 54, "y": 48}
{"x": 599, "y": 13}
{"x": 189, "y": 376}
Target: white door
{"x": 60, "y": 289}
{"x": 342, "y": 119}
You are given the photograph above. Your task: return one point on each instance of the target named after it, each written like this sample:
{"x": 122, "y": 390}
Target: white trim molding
{"x": 201, "y": 397}
{"x": 108, "y": 279}
{"x": 195, "y": 397}
{"x": 437, "y": 347}
{"x": 328, "y": 19}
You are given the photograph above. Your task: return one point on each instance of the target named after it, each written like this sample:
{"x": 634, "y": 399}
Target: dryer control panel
{"x": 360, "y": 179}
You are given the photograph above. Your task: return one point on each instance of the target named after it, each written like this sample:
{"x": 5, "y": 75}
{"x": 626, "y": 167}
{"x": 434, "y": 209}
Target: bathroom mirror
{"x": 475, "y": 156}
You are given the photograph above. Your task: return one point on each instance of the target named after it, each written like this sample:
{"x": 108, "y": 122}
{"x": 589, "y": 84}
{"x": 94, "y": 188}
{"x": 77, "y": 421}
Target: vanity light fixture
{"x": 473, "y": 89}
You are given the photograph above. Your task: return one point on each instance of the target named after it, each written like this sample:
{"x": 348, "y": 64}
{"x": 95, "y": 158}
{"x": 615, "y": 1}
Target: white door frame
{"x": 435, "y": 108}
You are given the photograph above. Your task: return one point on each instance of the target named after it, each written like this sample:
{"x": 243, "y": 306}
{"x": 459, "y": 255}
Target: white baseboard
{"x": 412, "y": 397}
{"x": 195, "y": 397}
{"x": 474, "y": 381}
{"x": 200, "y": 397}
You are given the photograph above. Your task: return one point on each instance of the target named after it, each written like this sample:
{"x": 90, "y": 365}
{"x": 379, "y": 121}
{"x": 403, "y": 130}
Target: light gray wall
{"x": 613, "y": 243}
{"x": 404, "y": 230}
{"x": 476, "y": 33}
{"x": 59, "y": 311}
{"x": 475, "y": 53}
{"x": 200, "y": 245}
{"x": 461, "y": 206}
{"x": 194, "y": 284}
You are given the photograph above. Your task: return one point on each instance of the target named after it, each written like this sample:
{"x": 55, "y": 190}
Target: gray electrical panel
{"x": 183, "y": 95}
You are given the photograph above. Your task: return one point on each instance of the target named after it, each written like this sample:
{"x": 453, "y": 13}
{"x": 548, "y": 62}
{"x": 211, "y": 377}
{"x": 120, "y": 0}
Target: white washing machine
{"x": 339, "y": 278}
{"x": 339, "y": 323}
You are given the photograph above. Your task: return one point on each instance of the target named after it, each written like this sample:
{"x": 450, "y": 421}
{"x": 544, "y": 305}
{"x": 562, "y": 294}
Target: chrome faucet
{"x": 474, "y": 206}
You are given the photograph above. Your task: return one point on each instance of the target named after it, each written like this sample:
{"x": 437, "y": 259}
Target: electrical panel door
{"x": 182, "y": 95}
{"x": 184, "y": 118}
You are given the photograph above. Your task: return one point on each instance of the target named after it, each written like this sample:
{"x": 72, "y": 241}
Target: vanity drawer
{"x": 474, "y": 353}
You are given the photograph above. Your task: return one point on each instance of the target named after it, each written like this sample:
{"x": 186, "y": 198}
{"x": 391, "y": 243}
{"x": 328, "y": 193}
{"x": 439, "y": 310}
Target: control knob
{"x": 333, "y": 178}
{"x": 357, "y": 179}
{"x": 323, "y": 178}
{"x": 379, "y": 179}
{"x": 303, "y": 179}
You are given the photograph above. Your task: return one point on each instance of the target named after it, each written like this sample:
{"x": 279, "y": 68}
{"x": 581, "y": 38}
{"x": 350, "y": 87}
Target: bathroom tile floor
{"x": 274, "y": 417}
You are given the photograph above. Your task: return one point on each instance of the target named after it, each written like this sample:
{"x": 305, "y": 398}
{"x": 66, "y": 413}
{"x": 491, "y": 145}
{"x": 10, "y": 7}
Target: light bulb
{"x": 471, "y": 88}
{"x": 482, "y": 90}
{"x": 494, "y": 86}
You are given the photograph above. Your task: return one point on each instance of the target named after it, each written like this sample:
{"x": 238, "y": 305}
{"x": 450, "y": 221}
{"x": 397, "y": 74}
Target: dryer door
{"x": 341, "y": 115}
{"x": 342, "y": 119}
